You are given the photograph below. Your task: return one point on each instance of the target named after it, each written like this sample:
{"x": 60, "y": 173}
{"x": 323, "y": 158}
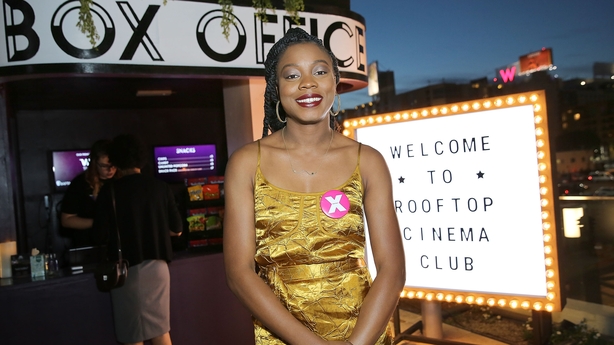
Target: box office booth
{"x": 164, "y": 72}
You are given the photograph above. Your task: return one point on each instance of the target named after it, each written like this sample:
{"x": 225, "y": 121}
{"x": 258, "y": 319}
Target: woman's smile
{"x": 309, "y": 100}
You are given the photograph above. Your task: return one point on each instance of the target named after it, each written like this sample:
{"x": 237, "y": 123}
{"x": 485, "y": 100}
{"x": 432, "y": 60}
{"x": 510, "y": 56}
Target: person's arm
{"x": 73, "y": 221}
{"x": 175, "y": 222}
{"x": 240, "y": 248}
{"x": 385, "y": 238}
{"x": 75, "y": 203}
{"x": 102, "y": 221}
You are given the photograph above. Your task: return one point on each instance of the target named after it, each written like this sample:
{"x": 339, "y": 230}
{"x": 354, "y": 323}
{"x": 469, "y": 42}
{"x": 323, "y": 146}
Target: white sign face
{"x": 466, "y": 191}
{"x": 180, "y": 33}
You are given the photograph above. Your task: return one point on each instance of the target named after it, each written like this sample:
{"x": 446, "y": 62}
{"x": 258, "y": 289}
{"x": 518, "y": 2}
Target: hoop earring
{"x": 277, "y": 112}
{"x": 338, "y": 106}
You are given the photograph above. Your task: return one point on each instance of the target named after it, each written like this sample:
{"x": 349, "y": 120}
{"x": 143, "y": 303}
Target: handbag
{"x": 112, "y": 274}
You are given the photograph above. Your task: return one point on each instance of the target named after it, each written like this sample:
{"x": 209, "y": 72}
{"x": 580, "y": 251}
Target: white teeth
{"x": 309, "y": 100}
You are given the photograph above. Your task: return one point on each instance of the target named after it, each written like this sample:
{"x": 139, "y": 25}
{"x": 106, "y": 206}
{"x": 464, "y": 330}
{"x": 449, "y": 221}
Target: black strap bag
{"x": 112, "y": 274}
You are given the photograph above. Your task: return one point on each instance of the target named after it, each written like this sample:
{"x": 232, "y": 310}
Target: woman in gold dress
{"x": 294, "y": 237}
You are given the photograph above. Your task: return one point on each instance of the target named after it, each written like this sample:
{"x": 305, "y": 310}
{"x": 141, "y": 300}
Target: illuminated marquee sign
{"x": 178, "y": 34}
{"x": 472, "y": 187}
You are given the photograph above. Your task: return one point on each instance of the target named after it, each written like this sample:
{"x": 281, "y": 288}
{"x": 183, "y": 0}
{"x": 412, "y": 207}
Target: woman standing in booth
{"x": 78, "y": 204}
{"x": 294, "y": 237}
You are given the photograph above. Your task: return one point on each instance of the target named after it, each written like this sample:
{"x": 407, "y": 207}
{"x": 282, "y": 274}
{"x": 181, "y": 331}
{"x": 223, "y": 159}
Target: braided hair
{"x": 271, "y": 96}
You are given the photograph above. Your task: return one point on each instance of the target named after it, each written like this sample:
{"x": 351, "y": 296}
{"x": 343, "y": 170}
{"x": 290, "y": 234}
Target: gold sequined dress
{"x": 313, "y": 263}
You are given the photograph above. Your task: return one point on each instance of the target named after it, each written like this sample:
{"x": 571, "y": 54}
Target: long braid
{"x": 271, "y": 96}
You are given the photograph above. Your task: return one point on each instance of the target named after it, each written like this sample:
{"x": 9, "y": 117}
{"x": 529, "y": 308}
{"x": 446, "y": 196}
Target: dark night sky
{"x": 426, "y": 41}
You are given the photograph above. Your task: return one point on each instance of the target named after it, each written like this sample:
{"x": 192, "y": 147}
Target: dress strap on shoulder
{"x": 258, "y": 153}
{"x": 358, "y": 160}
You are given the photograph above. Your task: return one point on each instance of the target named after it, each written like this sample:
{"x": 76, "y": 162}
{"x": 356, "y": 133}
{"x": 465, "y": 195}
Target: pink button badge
{"x": 335, "y": 204}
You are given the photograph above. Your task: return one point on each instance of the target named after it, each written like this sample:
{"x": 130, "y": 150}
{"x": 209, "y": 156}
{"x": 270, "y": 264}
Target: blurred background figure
{"x": 144, "y": 212}
{"x": 78, "y": 204}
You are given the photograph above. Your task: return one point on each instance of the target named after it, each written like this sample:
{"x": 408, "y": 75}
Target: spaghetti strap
{"x": 258, "y": 153}
{"x": 358, "y": 160}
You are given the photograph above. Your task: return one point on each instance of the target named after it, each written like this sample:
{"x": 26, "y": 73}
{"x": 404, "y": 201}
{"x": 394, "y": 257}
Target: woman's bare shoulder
{"x": 369, "y": 154}
{"x": 244, "y": 159}
{"x": 372, "y": 162}
{"x": 244, "y": 150}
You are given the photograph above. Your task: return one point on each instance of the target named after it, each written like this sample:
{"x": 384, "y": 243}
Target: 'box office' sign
{"x": 180, "y": 33}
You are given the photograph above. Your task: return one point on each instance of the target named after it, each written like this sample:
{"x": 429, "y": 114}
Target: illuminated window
{"x": 576, "y": 116}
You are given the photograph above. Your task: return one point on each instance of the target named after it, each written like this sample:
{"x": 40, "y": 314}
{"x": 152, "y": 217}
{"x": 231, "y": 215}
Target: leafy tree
{"x": 86, "y": 22}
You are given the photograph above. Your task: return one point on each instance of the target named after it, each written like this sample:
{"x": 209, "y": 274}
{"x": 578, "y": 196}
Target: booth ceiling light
{"x": 148, "y": 93}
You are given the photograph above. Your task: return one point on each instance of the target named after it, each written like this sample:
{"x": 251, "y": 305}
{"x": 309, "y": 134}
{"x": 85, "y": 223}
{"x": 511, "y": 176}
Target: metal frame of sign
{"x": 551, "y": 299}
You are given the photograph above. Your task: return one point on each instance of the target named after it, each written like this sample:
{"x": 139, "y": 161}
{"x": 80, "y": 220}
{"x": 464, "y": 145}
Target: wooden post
{"x": 431, "y": 319}
{"x": 396, "y": 321}
{"x": 542, "y": 327}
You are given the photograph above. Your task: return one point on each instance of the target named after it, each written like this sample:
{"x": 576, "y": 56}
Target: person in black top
{"x": 145, "y": 215}
{"x": 77, "y": 210}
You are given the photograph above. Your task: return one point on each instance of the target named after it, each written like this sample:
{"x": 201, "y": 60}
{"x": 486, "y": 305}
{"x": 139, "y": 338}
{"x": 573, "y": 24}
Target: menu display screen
{"x": 66, "y": 165}
{"x": 176, "y": 163}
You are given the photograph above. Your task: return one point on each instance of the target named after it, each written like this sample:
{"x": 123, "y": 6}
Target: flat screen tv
{"x": 66, "y": 165}
{"x": 176, "y": 163}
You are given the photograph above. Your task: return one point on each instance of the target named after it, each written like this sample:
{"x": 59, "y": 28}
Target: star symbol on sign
{"x": 480, "y": 174}
{"x": 401, "y": 179}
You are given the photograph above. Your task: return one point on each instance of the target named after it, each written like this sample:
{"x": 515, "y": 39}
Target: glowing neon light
{"x": 508, "y": 74}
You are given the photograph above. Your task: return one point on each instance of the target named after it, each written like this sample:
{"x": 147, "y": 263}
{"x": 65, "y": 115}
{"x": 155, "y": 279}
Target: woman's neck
{"x": 307, "y": 136}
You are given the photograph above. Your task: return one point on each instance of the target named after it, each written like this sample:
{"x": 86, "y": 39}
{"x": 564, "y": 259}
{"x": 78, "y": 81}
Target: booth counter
{"x": 70, "y": 310}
